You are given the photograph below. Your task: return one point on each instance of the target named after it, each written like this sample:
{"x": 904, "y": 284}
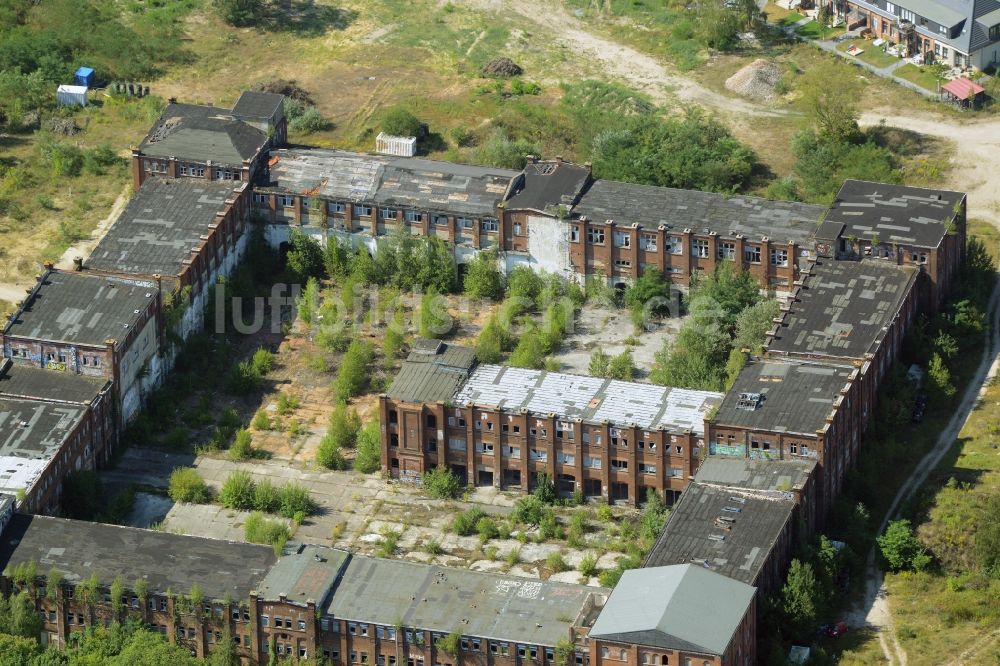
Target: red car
{"x": 836, "y": 630}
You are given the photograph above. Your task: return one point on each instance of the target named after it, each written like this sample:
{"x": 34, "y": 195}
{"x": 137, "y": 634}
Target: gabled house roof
{"x": 680, "y": 607}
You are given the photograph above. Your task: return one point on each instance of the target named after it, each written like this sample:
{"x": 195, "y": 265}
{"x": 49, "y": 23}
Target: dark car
{"x": 919, "y": 407}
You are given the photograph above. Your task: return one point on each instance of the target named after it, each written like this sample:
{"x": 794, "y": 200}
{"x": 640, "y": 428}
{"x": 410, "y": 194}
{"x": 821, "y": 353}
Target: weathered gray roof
{"x": 18, "y": 381}
{"x": 771, "y": 478}
{"x": 702, "y": 212}
{"x": 81, "y": 308}
{"x": 591, "y": 399}
{"x": 306, "y": 575}
{"x": 728, "y": 532}
{"x": 843, "y": 309}
{"x": 432, "y": 372}
{"x": 77, "y": 549}
{"x": 406, "y": 182}
{"x": 31, "y": 434}
{"x": 795, "y": 397}
{"x": 909, "y": 216}
{"x": 202, "y": 133}
{"x": 680, "y": 607}
{"x": 162, "y": 225}
{"x": 544, "y": 185}
{"x": 258, "y": 105}
{"x": 440, "y": 599}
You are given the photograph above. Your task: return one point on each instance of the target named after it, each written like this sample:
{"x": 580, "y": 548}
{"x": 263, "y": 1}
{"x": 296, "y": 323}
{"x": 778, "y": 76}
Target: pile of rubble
{"x": 756, "y": 81}
{"x": 502, "y": 66}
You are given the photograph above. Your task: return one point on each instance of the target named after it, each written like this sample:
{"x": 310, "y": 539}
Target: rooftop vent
{"x": 748, "y": 401}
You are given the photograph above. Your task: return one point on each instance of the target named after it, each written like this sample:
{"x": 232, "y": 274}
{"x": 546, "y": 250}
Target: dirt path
{"x": 874, "y": 610}
{"x": 640, "y": 71}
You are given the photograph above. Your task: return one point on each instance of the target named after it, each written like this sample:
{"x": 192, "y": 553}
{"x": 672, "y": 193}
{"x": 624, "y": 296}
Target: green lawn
{"x": 789, "y": 19}
{"x": 873, "y": 55}
{"x": 922, "y": 76}
{"x": 816, "y": 30}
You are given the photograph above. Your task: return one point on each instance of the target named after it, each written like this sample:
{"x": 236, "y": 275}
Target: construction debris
{"x": 286, "y": 88}
{"x": 501, "y": 66}
{"x": 756, "y": 81}
{"x": 62, "y": 126}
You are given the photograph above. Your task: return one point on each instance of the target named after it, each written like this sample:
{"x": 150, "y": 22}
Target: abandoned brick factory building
{"x": 749, "y": 472}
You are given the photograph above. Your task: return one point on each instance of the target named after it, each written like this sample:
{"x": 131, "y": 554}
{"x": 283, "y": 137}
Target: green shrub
{"x": 355, "y": 369}
{"x": 555, "y": 563}
{"x": 390, "y": 540}
{"x": 487, "y": 529}
{"x": 241, "y": 448}
{"x": 462, "y": 136}
{"x": 265, "y": 497}
{"x": 262, "y": 361}
{"x": 187, "y": 486}
{"x": 466, "y": 522}
{"x": 259, "y": 529}
{"x": 294, "y": 499}
{"x": 528, "y": 510}
{"x": 433, "y": 547}
{"x": 397, "y": 121}
{"x": 588, "y": 565}
{"x": 261, "y": 421}
{"x": 238, "y": 491}
{"x": 442, "y": 483}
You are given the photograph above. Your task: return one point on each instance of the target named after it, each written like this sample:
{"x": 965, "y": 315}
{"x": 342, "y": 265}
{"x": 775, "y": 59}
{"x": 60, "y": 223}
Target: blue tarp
{"x": 84, "y": 77}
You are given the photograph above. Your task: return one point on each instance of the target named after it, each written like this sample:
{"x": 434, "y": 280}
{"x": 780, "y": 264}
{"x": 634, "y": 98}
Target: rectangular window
{"x": 619, "y": 464}
{"x": 439, "y": 220}
{"x": 574, "y": 234}
{"x": 890, "y": 7}
{"x": 464, "y": 222}
{"x": 285, "y": 201}
{"x": 387, "y": 213}
{"x": 595, "y": 236}
{"x": 727, "y": 250}
{"x": 779, "y": 257}
{"x": 489, "y": 224}
{"x": 649, "y": 242}
{"x": 751, "y": 253}
{"x": 623, "y": 263}
{"x": 335, "y": 207}
{"x": 907, "y": 15}
{"x": 260, "y": 198}
{"x": 414, "y": 216}
{"x": 302, "y": 625}
{"x": 675, "y": 244}
{"x": 699, "y": 248}
{"x": 623, "y": 239}
{"x": 265, "y": 621}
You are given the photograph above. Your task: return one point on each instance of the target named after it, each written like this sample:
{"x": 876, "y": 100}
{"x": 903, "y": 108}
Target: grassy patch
{"x": 922, "y": 76}
{"x": 873, "y": 55}
{"x": 789, "y": 19}
{"x": 776, "y": 13}
{"x": 816, "y": 30}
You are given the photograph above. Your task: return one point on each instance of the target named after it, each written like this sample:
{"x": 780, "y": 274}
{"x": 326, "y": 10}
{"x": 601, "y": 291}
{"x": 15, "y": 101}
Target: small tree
{"x": 599, "y": 363}
{"x": 490, "y": 343}
{"x": 305, "y": 258}
{"x": 308, "y": 302}
{"x": 545, "y": 489}
{"x": 238, "y": 490}
{"x": 449, "y": 644}
{"x": 442, "y": 483}
{"x": 397, "y": 121}
{"x": 622, "y": 366}
{"x": 435, "y": 322}
{"x": 799, "y": 598}
{"x": 939, "y": 378}
{"x": 900, "y": 547}
{"x": 53, "y": 582}
{"x": 117, "y": 591}
{"x": 483, "y": 278}
{"x": 353, "y": 377}
{"x": 369, "y": 456}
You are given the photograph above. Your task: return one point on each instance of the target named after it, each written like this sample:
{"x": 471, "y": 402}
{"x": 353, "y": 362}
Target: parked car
{"x": 836, "y": 630}
{"x": 919, "y": 407}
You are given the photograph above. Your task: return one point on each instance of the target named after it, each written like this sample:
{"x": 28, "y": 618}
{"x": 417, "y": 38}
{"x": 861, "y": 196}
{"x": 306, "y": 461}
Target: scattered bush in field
{"x": 241, "y": 448}
{"x": 261, "y": 421}
{"x": 259, "y": 529}
{"x": 390, "y": 539}
{"x": 237, "y": 491}
{"x": 355, "y": 368}
{"x": 397, "y": 121}
{"x": 588, "y": 565}
{"x": 465, "y": 523}
{"x": 487, "y": 529}
{"x": 240, "y": 491}
{"x": 368, "y": 458}
{"x": 556, "y": 563}
{"x": 433, "y": 547}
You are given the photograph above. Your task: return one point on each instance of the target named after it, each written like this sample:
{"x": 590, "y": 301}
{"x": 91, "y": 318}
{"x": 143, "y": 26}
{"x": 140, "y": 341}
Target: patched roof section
{"x": 305, "y": 575}
{"x": 909, "y": 216}
{"x": 202, "y": 133}
{"x": 432, "y": 372}
{"x": 701, "y": 212}
{"x": 489, "y": 605}
{"x": 591, "y": 399}
{"x": 771, "y": 478}
{"x": 166, "y": 561}
{"x": 787, "y": 396}
{"x": 722, "y": 530}
{"x": 19, "y": 381}
{"x": 31, "y": 434}
{"x": 82, "y": 308}
{"x": 386, "y": 180}
{"x": 843, "y": 308}
{"x": 162, "y": 225}
{"x": 680, "y": 607}
{"x": 258, "y": 105}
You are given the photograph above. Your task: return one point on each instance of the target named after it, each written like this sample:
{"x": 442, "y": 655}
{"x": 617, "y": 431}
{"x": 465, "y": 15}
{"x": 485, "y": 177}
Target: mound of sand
{"x": 756, "y": 81}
